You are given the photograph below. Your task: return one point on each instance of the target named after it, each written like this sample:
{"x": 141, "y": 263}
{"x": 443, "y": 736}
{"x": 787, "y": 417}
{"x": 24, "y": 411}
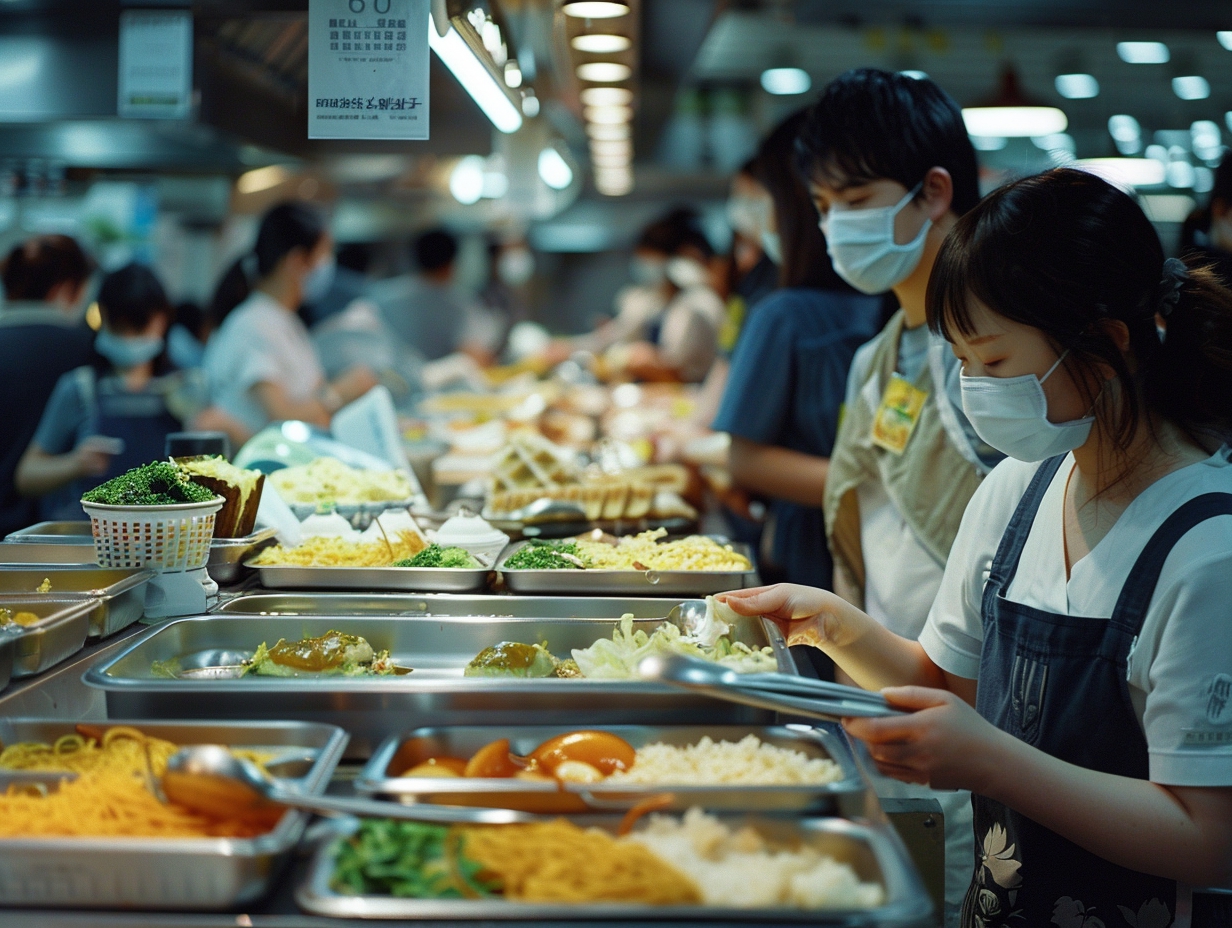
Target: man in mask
{"x": 891, "y": 169}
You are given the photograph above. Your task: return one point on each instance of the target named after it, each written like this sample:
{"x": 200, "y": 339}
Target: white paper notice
{"x": 368, "y": 69}
{"x": 155, "y": 80}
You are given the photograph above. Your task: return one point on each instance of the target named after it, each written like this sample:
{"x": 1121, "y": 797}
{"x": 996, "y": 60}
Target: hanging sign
{"x": 368, "y": 69}
{"x": 155, "y": 79}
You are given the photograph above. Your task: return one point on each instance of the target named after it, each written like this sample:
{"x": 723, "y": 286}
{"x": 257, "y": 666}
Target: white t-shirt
{"x": 261, "y": 341}
{"x": 1180, "y": 671}
{"x": 689, "y": 339}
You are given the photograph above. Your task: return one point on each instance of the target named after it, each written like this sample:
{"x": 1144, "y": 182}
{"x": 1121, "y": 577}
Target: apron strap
{"x": 1131, "y": 606}
{"x": 1005, "y": 563}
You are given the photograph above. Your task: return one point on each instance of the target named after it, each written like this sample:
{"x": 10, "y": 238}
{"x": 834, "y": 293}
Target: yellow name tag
{"x": 900, "y": 409}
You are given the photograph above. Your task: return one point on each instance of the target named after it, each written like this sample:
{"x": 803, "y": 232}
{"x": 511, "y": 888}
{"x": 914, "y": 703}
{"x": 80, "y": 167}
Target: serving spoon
{"x": 210, "y": 779}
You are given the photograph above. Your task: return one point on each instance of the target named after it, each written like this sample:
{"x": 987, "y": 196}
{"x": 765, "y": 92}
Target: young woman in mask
{"x": 1075, "y": 672}
{"x": 115, "y": 412}
{"x": 261, "y": 363}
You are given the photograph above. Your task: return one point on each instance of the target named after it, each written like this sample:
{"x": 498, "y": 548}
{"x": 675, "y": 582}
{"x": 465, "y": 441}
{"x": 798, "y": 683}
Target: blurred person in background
{"x": 789, "y": 371}
{"x": 261, "y": 363}
{"x": 42, "y": 336}
{"x": 1207, "y": 232}
{"x": 115, "y": 412}
{"x": 187, "y": 337}
{"x": 755, "y": 252}
{"x": 511, "y": 266}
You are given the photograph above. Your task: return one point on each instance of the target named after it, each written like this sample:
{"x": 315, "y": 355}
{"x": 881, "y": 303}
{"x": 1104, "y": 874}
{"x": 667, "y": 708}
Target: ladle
{"x": 210, "y": 779}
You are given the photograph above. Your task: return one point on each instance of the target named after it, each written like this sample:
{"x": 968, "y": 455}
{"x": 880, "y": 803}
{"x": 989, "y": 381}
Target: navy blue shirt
{"x": 787, "y": 383}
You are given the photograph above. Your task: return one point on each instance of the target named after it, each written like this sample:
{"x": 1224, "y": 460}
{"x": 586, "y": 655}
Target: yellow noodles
{"x": 337, "y": 552}
{"x": 693, "y": 553}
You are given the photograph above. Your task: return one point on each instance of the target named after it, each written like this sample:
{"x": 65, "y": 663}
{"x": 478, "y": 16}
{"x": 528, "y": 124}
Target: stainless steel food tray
{"x": 154, "y": 873}
{"x": 60, "y": 633}
{"x": 119, "y": 595}
{"x": 426, "y": 579}
{"x": 227, "y": 555}
{"x": 449, "y": 604}
{"x": 436, "y": 693}
{"x": 8, "y": 656}
{"x": 48, "y": 553}
{"x": 626, "y": 582}
{"x": 383, "y": 775}
{"x": 75, "y": 532}
{"x": 875, "y": 853}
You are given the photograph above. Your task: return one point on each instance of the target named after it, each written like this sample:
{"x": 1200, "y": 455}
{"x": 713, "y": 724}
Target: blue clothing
{"x": 786, "y": 387}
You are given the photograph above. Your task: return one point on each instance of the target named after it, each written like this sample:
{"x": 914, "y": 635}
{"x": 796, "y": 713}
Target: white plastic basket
{"x": 165, "y": 538}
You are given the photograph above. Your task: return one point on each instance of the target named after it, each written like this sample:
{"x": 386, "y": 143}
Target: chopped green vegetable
{"x": 158, "y": 484}
{"x": 407, "y": 859}
{"x": 546, "y": 555}
{"x": 436, "y": 556}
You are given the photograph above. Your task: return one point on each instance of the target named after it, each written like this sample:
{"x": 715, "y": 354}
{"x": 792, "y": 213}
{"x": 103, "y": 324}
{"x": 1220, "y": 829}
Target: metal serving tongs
{"x": 779, "y": 692}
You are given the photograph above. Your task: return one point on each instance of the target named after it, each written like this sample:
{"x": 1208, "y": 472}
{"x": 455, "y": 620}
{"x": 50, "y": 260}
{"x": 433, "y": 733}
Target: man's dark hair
{"x": 435, "y": 249}
{"x": 130, "y": 297}
{"x": 35, "y": 267}
{"x": 667, "y": 233}
{"x": 871, "y": 125}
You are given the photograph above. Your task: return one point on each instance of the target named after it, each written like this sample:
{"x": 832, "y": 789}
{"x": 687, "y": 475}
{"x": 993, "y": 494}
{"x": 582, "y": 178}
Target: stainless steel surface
{"x": 48, "y": 553}
{"x": 228, "y": 554}
{"x": 76, "y": 532}
{"x": 146, "y": 873}
{"x": 426, "y": 579}
{"x": 59, "y": 634}
{"x": 436, "y": 693}
{"x": 59, "y": 693}
{"x": 625, "y": 582}
{"x": 8, "y": 656}
{"x": 875, "y": 853}
{"x": 119, "y": 594}
{"x": 448, "y": 604}
{"x": 384, "y": 773}
{"x": 210, "y": 779}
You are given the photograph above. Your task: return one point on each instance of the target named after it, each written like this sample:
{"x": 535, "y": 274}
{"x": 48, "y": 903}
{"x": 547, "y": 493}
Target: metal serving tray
{"x": 426, "y": 579}
{"x": 436, "y": 693}
{"x": 227, "y": 555}
{"x": 626, "y": 582}
{"x": 76, "y": 532}
{"x": 119, "y": 595}
{"x": 158, "y": 873}
{"x": 8, "y": 656}
{"x": 47, "y": 553}
{"x": 384, "y": 774}
{"x": 447, "y": 604}
{"x": 60, "y": 633}
{"x": 875, "y": 853}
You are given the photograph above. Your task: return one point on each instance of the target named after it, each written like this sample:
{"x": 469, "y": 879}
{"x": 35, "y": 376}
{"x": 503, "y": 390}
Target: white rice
{"x": 738, "y": 869}
{"x": 747, "y": 762}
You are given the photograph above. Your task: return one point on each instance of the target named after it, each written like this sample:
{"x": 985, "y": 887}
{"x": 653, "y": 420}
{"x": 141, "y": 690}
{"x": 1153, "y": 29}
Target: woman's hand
{"x": 805, "y": 614}
{"x": 944, "y": 743}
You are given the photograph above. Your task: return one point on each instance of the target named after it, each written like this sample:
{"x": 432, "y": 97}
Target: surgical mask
{"x": 748, "y": 215}
{"x": 772, "y": 245}
{"x": 515, "y": 266}
{"x": 862, "y": 247}
{"x": 183, "y": 348}
{"x": 686, "y": 273}
{"x": 1011, "y": 414}
{"x": 318, "y": 280}
{"x": 649, "y": 272}
{"x": 127, "y": 351}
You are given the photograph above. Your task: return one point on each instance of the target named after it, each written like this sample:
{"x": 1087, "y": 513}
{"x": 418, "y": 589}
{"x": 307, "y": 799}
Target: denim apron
{"x": 141, "y": 419}
{"x": 1059, "y": 683}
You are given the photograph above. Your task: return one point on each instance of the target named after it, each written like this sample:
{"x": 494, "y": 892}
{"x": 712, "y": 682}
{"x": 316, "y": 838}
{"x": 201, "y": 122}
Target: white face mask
{"x": 686, "y": 273}
{"x": 862, "y": 247}
{"x": 515, "y": 266}
{"x": 1011, "y": 414}
{"x": 748, "y": 215}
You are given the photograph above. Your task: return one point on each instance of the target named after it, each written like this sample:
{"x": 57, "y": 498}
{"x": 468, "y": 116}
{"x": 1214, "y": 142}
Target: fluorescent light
{"x": 603, "y": 162}
{"x": 1179, "y": 174}
{"x": 915, "y": 75}
{"x": 513, "y": 74}
{"x": 608, "y": 133}
{"x": 1014, "y": 121}
{"x": 554, "y": 170}
{"x": 1124, "y": 128}
{"x": 1167, "y": 207}
{"x": 614, "y": 185}
{"x": 1225, "y": 39}
{"x": 785, "y": 81}
{"x": 601, "y": 43}
{"x": 1204, "y": 179}
{"x": 475, "y": 77}
{"x": 608, "y": 115}
{"x": 1206, "y": 139}
{"x": 262, "y": 179}
{"x": 607, "y": 96}
{"x": 530, "y": 104}
{"x": 989, "y": 142}
{"x": 1058, "y": 141}
{"x": 1143, "y": 52}
{"x": 1125, "y": 172}
{"x": 1191, "y": 87}
{"x": 495, "y": 185}
{"x": 466, "y": 179}
{"x": 623, "y": 146}
{"x": 595, "y": 9}
{"x": 1156, "y": 153}
{"x": 1077, "y": 86}
{"x": 603, "y": 72}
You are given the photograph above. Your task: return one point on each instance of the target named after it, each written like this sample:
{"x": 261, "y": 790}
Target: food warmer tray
{"x": 425, "y": 579}
{"x": 227, "y": 555}
{"x": 445, "y": 604}
{"x": 119, "y": 595}
{"x": 435, "y": 693}
{"x": 165, "y": 873}
{"x": 60, "y": 632}
{"x": 382, "y": 776}
{"x": 8, "y": 657}
{"x": 626, "y": 582}
{"x": 875, "y": 853}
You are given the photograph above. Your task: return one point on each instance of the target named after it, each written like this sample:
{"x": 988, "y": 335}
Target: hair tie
{"x": 1175, "y": 275}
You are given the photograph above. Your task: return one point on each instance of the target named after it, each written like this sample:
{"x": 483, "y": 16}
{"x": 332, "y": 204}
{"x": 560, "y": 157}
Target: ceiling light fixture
{"x": 601, "y": 43}
{"x": 1125, "y": 172}
{"x": 513, "y": 74}
{"x": 915, "y": 75}
{"x": 1143, "y": 52}
{"x": 1014, "y": 121}
{"x": 530, "y": 104}
{"x": 554, "y": 170}
{"x": 1077, "y": 86}
{"x": 607, "y": 96}
{"x": 1191, "y": 87}
{"x": 608, "y": 115}
{"x": 609, "y": 133}
{"x": 262, "y": 179}
{"x": 466, "y": 179}
{"x": 604, "y": 72}
{"x": 1225, "y": 39}
{"x": 623, "y": 146}
{"x": 989, "y": 142}
{"x": 476, "y": 78}
{"x": 786, "y": 81}
{"x": 594, "y": 9}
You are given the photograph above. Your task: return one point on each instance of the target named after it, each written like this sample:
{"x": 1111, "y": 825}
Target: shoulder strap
{"x": 85, "y": 378}
{"x": 1005, "y": 562}
{"x": 1135, "y": 598}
